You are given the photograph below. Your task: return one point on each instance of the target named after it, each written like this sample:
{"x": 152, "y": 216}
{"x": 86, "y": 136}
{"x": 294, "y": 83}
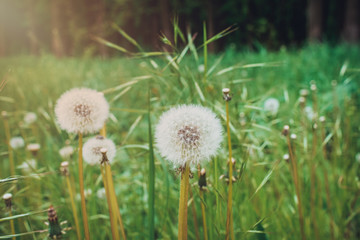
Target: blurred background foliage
{"x": 67, "y": 28}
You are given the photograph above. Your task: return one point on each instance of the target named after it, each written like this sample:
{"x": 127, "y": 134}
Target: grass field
{"x": 265, "y": 204}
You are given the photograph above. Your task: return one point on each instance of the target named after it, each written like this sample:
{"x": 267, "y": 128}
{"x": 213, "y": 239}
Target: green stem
{"x": 184, "y": 190}
{"x": 229, "y": 203}
{"x": 73, "y": 207}
{"x": 82, "y": 194}
{"x": 11, "y": 154}
{"x": 203, "y": 213}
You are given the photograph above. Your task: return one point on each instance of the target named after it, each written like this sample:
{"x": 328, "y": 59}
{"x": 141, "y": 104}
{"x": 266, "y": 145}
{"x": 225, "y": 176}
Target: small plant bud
{"x": 286, "y": 157}
{"x": 33, "y": 148}
{"x": 54, "y": 226}
{"x": 226, "y": 94}
{"x": 202, "y": 179}
{"x": 286, "y": 130}
{"x": 4, "y": 114}
{"x": 313, "y": 87}
{"x": 64, "y": 168}
{"x": 7, "y": 198}
{"x": 322, "y": 119}
{"x": 293, "y": 136}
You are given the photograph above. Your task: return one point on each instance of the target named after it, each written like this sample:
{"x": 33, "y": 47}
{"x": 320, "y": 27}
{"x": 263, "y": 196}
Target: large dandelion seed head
{"x": 82, "y": 110}
{"x": 188, "y": 133}
{"x": 92, "y": 150}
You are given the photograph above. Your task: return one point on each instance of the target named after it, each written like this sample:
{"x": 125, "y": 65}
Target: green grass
{"x": 263, "y": 199}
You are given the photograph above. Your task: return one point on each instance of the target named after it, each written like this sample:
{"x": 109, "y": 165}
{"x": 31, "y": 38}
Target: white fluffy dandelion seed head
{"x": 92, "y": 150}
{"x": 30, "y": 118}
{"x": 188, "y": 133}
{"x": 66, "y": 152}
{"x": 28, "y": 166}
{"x": 272, "y": 105}
{"x": 101, "y": 193}
{"x": 17, "y": 142}
{"x": 82, "y": 110}
{"x": 309, "y": 112}
{"x": 201, "y": 68}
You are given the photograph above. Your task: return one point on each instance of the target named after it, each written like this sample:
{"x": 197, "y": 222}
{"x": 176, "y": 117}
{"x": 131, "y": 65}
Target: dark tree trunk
{"x": 165, "y": 18}
{"x": 351, "y": 29}
{"x": 57, "y": 43}
{"x": 31, "y": 34}
{"x": 210, "y": 27}
{"x": 315, "y": 20}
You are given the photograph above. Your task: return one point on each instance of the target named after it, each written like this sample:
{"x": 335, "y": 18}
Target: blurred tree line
{"x": 68, "y": 27}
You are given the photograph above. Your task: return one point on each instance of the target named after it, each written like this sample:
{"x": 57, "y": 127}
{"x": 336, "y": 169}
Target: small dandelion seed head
{"x": 293, "y": 136}
{"x": 322, "y": 119}
{"x": 66, "y": 152}
{"x": 7, "y": 196}
{"x": 202, "y": 172}
{"x": 313, "y": 87}
{"x": 82, "y": 110}
{"x": 357, "y": 158}
{"x": 92, "y": 150}
{"x": 33, "y": 148}
{"x": 309, "y": 112}
{"x": 286, "y": 130}
{"x": 188, "y": 133}
{"x": 304, "y": 92}
{"x": 101, "y": 193}
{"x": 17, "y": 142}
{"x": 201, "y": 68}
{"x": 30, "y": 118}
{"x": 28, "y": 166}
{"x": 286, "y": 157}
{"x": 64, "y": 168}
{"x": 4, "y": 114}
{"x": 271, "y": 105}
{"x": 302, "y": 101}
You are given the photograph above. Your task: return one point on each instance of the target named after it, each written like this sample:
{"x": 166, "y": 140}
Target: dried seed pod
{"x": 226, "y": 94}
{"x": 202, "y": 179}
{"x": 54, "y": 226}
{"x": 286, "y": 130}
{"x": 7, "y": 198}
{"x": 64, "y": 168}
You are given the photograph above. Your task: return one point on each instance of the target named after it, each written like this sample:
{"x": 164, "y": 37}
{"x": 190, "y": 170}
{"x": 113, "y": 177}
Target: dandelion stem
{"x": 297, "y": 187}
{"x": 73, "y": 207}
{"x": 12, "y": 224}
{"x": 184, "y": 190}
{"x": 82, "y": 194}
{"x": 113, "y": 223}
{"x": 203, "y": 213}
{"x": 114, "y": 203}
{"x": 229, "y": 203}
{"x": 205, "y": 51}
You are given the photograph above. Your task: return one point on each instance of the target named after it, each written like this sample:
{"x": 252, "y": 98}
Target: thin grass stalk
{"x": 229, "y": 202}
{"x": 113, "y": 198}
{"x": 196, "y": 226}
{"x": 10, "y": 151}
{"x": 203, "y": 213}
{"x": 327, "y": 187}
{"x": 184, "y": 190}
{"x": 216, "y": 180}
{"x": 205, "y": 52}
{"x": 73, "y": 207}
{"x": 297, "y": 187}
{"x": 82, "y": 194}
{"x": 151, "y": 202}
{"x": 313, "y": 181}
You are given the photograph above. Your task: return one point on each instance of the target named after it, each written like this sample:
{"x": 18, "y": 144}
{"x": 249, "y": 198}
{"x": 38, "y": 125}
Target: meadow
{"x": 139, "y": 90}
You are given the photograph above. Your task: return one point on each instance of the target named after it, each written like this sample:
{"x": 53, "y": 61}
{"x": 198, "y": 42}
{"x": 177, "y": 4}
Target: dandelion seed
{"x": 92, "y": 150}
{"x": 272, "y": 105}
{"x": 188, "y": 134}
{"x": 30, "y": 118}
{"x": 66, "y": 152}
{"x": 17, "y": 142}
{"x": 82, "y": 110}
